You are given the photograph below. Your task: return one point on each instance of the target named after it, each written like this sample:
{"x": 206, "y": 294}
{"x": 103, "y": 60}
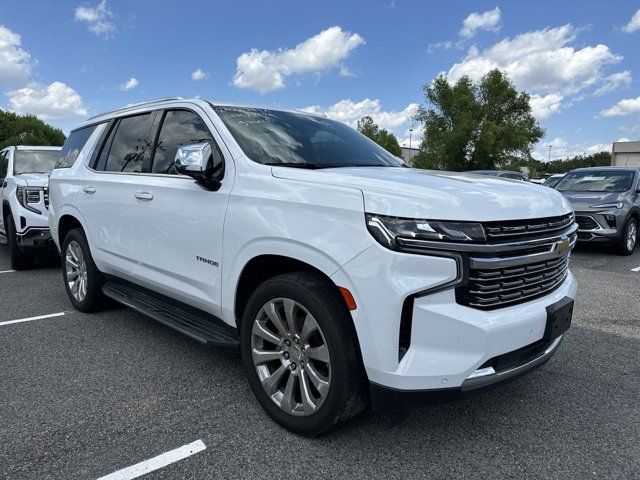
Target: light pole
{"x": 549, "y": 152}
{"x": 410, "y": 132}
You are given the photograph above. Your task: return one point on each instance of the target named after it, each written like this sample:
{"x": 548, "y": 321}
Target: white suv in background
{"x": 347, "y": 280}
{"x": 24, "y": 172}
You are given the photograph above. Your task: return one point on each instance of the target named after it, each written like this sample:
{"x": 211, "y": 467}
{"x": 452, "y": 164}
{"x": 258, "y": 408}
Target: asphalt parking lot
{"x": 87, "y": 395}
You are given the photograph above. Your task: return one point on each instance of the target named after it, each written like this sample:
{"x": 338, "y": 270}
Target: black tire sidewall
{"x": 94, "y": 298}
{"x": 330, "y": 316}
{"x": 19, "y": 260}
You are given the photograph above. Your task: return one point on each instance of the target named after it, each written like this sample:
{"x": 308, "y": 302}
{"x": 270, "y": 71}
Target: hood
{"x": 581, "y": 201}
{"x": 34, "y": 179}
{"x": 416, "y": 193}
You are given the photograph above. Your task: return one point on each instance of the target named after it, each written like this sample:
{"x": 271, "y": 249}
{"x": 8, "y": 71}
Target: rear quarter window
{"x": 73, "y": 146}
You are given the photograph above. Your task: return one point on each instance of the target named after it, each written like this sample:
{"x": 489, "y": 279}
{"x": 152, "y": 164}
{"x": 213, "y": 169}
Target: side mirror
{"x": 202, "y": 162}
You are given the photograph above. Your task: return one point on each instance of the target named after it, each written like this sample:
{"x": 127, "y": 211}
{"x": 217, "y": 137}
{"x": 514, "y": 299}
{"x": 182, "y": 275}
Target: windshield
{"x": 551, "y": 181}
{"x": 34, "y": 161}
{"x": 596, "y": 181}
{"x": 292, "y": 139}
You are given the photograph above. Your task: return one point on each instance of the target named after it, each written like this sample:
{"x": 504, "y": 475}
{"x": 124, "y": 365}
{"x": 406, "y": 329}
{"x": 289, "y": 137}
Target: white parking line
{"x": 7, "y": 271}
{"x": 155, "y": 463}
{"x": 637, "y": 269}
{"x": 30, "y": 319}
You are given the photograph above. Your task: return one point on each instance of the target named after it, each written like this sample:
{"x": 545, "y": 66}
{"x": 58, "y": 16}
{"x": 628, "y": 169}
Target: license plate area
{"x": 558, "y": 318}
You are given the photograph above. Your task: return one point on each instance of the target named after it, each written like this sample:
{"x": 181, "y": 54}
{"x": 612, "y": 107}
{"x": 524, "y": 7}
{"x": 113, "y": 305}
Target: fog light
{"x": 611, "y": 220}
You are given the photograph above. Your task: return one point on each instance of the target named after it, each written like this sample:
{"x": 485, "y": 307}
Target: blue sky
{"x": 579, "y": 60}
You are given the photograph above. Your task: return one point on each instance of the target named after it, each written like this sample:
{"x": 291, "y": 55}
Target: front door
{"x": 177, "y": 224}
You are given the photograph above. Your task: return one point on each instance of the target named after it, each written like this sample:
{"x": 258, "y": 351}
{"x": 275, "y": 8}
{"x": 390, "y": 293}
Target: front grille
{"x": 515, "y": 230}
{"x": 46, "y": 198}
{"x": 586, "y": 223}
{"x": 488, "y": 289}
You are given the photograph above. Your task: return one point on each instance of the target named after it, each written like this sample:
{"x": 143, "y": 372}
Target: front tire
{"x": 19, "y": 260}
{"x": 300, "y": 353}
{"x": 627, "y": 244}
{"x": 82, "y": 279}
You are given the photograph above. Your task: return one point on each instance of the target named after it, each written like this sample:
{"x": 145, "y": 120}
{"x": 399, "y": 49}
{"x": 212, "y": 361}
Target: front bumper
{"x": 385, "y": 399}
{"x": 35, "y": 238}
{"x": 448, "y": 341}
{"x": 595, "y": 228}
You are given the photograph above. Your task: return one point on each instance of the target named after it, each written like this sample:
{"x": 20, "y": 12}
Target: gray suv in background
{"x": 606, "y": 203}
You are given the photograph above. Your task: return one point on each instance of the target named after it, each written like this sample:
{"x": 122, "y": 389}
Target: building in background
{"x": 625, "y": 154}
{"x": 408, "y": 154}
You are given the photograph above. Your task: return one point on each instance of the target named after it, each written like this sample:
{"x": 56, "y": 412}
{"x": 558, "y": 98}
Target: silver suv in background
{"x": 24, "y": 175}
{"x": 606, "y": 203}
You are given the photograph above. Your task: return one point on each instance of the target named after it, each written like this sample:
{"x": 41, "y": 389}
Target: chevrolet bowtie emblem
{"x": 562, "y": 245}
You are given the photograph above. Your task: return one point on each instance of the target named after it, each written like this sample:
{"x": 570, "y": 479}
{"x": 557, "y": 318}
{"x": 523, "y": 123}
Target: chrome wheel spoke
{"x": 264, "y": 356}
{"x": 272, "y": 312}
{"x": 261, "y": 331}
{"x": 305, "y": 393}
{"x": 289, "y": 313}
{"x": 76, "y": 271}
{"x": 288, "y": 396}
{"x": 316, "y": 379}
{"x": 272, "y": 382}
{"x": 320, "y": 353}
{"x": 309, "y": 326}
{"x": 72, "y": 275}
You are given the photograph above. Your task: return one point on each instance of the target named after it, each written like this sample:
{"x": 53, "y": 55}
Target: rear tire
{"x": 328, "y": 381}
{"x": 19, "y": 259}
{"x": 627, "y": 244}
{"x": 82, "y": 279}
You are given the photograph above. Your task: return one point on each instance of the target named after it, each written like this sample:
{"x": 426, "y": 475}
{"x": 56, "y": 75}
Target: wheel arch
{"x": 66, "y": 223}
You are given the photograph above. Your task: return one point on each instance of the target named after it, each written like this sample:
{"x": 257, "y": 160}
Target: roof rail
{"x": 136, "y": 105}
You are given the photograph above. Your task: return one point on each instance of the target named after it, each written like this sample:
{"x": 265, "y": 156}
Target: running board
{"x": 199, "y": 325}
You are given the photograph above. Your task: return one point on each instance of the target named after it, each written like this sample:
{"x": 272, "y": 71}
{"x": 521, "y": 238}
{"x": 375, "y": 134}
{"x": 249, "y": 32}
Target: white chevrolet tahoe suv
{"x": 24, "y": 173}
{"x": 346, "y": 280}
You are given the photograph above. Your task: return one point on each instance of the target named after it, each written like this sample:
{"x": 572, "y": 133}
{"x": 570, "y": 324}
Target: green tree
{"x": 27, "y": 130}
{"x": 382, "y": 137}
{"x": 471, "y": 126}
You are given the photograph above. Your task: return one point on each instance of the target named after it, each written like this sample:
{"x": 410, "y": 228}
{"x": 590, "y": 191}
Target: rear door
{"x": 177, "y": 224}
{"x": 109, "y": 193}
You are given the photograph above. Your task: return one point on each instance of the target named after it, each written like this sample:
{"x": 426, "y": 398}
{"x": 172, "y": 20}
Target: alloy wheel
{"x": 632, "y": 235}
{"x": 291, "y": 357}
{"x": 76, "y": 271}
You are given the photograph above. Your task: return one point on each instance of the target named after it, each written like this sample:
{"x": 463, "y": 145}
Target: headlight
{"x": 607, "y": 205}
{"x": 29, "y": 195}
{"x": 390, "y": 231}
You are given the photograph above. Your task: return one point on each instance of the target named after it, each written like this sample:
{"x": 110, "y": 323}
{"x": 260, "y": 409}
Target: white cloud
{"x": 56, "y": 101}
{"x": 350, "y": 112}
{"x": 543, "y": 107}
{"x": 561, "y": 149}
{"x": 15, "y": 62}
{"x": 397, "y": 122}
{"x": 199, "y": 75}
{"x": 627, "y": 106}
{"x": 634, "y": 23}
{"x": 98, "y": 18}
{"x": 489, "y": 20}
{"x": 541, "y": 60}
{"x": 265, "y": 70}
{"x": 614, "y": 82}
{"x": 129, "y": 84}
{"x": 623, "y": 139}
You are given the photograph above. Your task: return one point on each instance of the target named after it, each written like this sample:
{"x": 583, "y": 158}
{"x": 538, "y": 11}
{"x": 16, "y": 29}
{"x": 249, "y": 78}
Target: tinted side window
{"x": 73, "y": 146}
{"x": 130, "y": 143}
{"x": 179, "y": 127}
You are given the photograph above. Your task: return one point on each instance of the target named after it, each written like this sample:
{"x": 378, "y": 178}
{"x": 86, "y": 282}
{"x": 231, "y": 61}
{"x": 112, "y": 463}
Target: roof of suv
{"x": 34, "y": 147}
{"x": 607, "y": 167}
{"x": 164, "y": 102}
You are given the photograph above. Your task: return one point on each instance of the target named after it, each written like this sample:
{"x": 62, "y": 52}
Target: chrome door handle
{"x": 144, "y": 196}
{"x": 89, "y": 189}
